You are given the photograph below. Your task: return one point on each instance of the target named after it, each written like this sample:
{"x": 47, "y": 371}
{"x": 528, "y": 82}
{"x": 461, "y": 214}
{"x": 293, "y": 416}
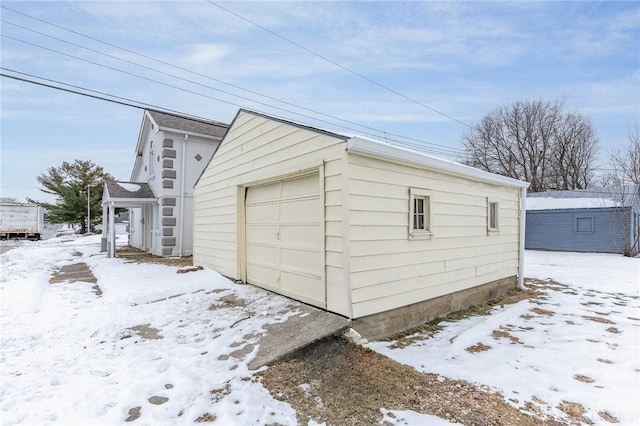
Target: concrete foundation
{"x": 385, "y": 324}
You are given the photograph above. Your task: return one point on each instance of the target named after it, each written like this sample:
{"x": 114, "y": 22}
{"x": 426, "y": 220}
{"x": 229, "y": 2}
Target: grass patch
{"x": 134, "y": 255}
{"x": 339, "y": 383}
{"x": 432, "y": 327}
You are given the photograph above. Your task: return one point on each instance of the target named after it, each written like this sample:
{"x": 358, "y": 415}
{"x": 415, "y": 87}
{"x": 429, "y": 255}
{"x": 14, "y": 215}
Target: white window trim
{"x": 152, "y": 160}
{"x": 418, "y": 234}
{"x": 495, "y": 230}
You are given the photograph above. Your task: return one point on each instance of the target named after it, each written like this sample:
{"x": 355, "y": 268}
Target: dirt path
{"x": 76, "y": 272}
{"x": 340, "y": 383}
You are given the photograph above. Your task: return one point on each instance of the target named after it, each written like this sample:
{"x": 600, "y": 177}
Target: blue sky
{"x": 461, "y": 59}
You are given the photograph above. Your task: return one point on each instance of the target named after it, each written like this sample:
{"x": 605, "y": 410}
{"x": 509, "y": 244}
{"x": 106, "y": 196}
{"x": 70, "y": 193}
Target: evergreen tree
{"x": 74, "y": 184}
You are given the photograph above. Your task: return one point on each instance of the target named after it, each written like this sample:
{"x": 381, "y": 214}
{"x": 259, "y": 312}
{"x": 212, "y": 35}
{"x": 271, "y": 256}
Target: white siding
{"x": 388, "y": 270}
{"x": 257, "y": 150}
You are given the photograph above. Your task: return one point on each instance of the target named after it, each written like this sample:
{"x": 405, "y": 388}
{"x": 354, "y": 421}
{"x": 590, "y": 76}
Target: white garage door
{"x": 284, "y": 238}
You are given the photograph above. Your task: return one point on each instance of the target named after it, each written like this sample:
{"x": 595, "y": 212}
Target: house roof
{"x": 177, "y": 124}
{"x": 188, "y": 124}
{"x": 117, "y": 190}
{"x": 592, "y": 198}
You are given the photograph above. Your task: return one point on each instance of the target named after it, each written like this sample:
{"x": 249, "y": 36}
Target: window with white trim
{"x": 493, "y": 216}
{"x": 419, "y": 214}
{"x": 152, "y": 153}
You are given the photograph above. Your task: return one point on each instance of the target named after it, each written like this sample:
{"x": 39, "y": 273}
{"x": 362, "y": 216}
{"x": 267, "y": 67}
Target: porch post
{"x": 112, "y": 230}
{"x": 103, "y": 238}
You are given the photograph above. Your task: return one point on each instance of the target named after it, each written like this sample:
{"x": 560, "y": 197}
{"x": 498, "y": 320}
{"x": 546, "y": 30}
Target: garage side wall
{"x": 389, "y": 269}
{"x": 565, "y": 230}
{"x": 258, "y": 150}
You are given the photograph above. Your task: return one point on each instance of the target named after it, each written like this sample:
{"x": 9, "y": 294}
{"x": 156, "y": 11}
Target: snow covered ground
{"x": 68, "y": 356}
{"x": 580, "y": 343}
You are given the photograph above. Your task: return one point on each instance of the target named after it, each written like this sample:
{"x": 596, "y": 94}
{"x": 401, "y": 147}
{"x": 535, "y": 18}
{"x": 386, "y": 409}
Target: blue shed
{"x": 605, "y": 220}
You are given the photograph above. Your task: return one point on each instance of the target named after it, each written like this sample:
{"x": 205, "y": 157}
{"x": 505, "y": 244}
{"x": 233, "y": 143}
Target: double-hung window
{"x": 419, "y": 214}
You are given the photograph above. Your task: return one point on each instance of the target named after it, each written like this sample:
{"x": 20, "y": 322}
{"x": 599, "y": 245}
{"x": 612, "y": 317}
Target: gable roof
{"x": 162, "y": 121}
{"x": 592, "y": 198}
{"x": 385, "y": 150}
{"x": 118, "y": 190}
{"x": 183, "y": 123}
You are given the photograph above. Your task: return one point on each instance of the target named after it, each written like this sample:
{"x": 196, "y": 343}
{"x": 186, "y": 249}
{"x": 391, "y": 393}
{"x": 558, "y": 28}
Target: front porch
{"x": 129, "y": 195}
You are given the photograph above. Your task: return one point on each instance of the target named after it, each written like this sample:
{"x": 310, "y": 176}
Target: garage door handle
{"x": 278, "y": 236}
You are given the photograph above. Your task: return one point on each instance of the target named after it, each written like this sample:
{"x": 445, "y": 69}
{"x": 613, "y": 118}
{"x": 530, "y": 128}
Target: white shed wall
{"x": 256, "y": 150}
{"x": 388, "y": 270}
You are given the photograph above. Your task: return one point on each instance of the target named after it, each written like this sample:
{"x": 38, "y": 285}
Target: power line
{"x": 349, "y": 70}
{"x": 129, "y": 103}
{"x": 78, "y": 90}
{"x": 448, "y": 152}
{"x": 441, "y": 149}
{"x": 146, "y": 106}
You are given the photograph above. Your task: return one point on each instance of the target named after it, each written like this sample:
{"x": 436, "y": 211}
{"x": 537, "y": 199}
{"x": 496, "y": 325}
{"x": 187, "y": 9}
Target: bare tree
{"x": 537, "y": 142}
{"x": 623, "y": 219}
{"x": 625, "y": 162}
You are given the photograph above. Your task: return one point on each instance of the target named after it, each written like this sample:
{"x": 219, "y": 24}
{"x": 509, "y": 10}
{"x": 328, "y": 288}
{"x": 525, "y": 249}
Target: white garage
{"x": 386, "y": 236}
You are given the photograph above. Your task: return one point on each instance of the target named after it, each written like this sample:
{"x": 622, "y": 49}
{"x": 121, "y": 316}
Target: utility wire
{"x": 104, "y": 96}
{"x": 349, "y": 70}
{"x": 441, "y": 148}
{"x": 426, "y": 149}
{"x": 145, "y": 106}
{"x": 124, "y": 101}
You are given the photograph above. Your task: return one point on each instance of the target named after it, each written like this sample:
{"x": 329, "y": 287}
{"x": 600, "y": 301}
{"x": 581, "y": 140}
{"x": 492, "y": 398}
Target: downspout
{"x": 523, "y": 224}
{"x": 182, "y": 185}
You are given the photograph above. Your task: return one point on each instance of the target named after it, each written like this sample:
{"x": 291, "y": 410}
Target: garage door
{"x": 284, "y": 238}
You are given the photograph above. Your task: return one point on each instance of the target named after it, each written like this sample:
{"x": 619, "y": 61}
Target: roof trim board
{"x": 371, "y": 147}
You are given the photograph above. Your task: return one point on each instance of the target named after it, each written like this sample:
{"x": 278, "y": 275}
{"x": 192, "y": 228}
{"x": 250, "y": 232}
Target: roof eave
{"x": 415, "y": 158}
{"x": 186, "y": 132}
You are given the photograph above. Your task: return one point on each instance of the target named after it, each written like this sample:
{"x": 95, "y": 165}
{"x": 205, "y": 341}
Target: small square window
{"x": 493, "y": 216}
{"x": 419, "y": 214}
{"x": 584, "y": 224}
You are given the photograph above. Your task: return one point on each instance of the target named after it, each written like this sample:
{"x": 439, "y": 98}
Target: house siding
{"x": 388, "y": 270}
{"x": 255, "y": 150}
{"x": 556, "y": 230}
{"x": 634, "y": 218}
{"x": 164, "y": 174}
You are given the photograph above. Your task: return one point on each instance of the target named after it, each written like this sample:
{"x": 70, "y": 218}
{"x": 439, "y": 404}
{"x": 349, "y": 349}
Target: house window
{"x": 419, "y": 214}
{"x": 585, "y": 224}
{"x": 493, "y": 216}
{"x": 152, "y": 153}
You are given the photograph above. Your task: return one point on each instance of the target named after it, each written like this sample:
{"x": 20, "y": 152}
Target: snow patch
{"x": 549, "y": 203}
{"x": 131, "y": 187}
{"x": 576, "y": 344}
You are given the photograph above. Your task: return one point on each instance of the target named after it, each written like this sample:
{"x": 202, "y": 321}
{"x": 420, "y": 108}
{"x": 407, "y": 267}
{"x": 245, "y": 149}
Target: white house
{"x": 171, "y": 153}
{"x": 384, "y": 235}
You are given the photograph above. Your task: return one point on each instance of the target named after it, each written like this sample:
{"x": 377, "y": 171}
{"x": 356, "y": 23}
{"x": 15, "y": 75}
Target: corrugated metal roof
{"x": 187, "y": 124}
